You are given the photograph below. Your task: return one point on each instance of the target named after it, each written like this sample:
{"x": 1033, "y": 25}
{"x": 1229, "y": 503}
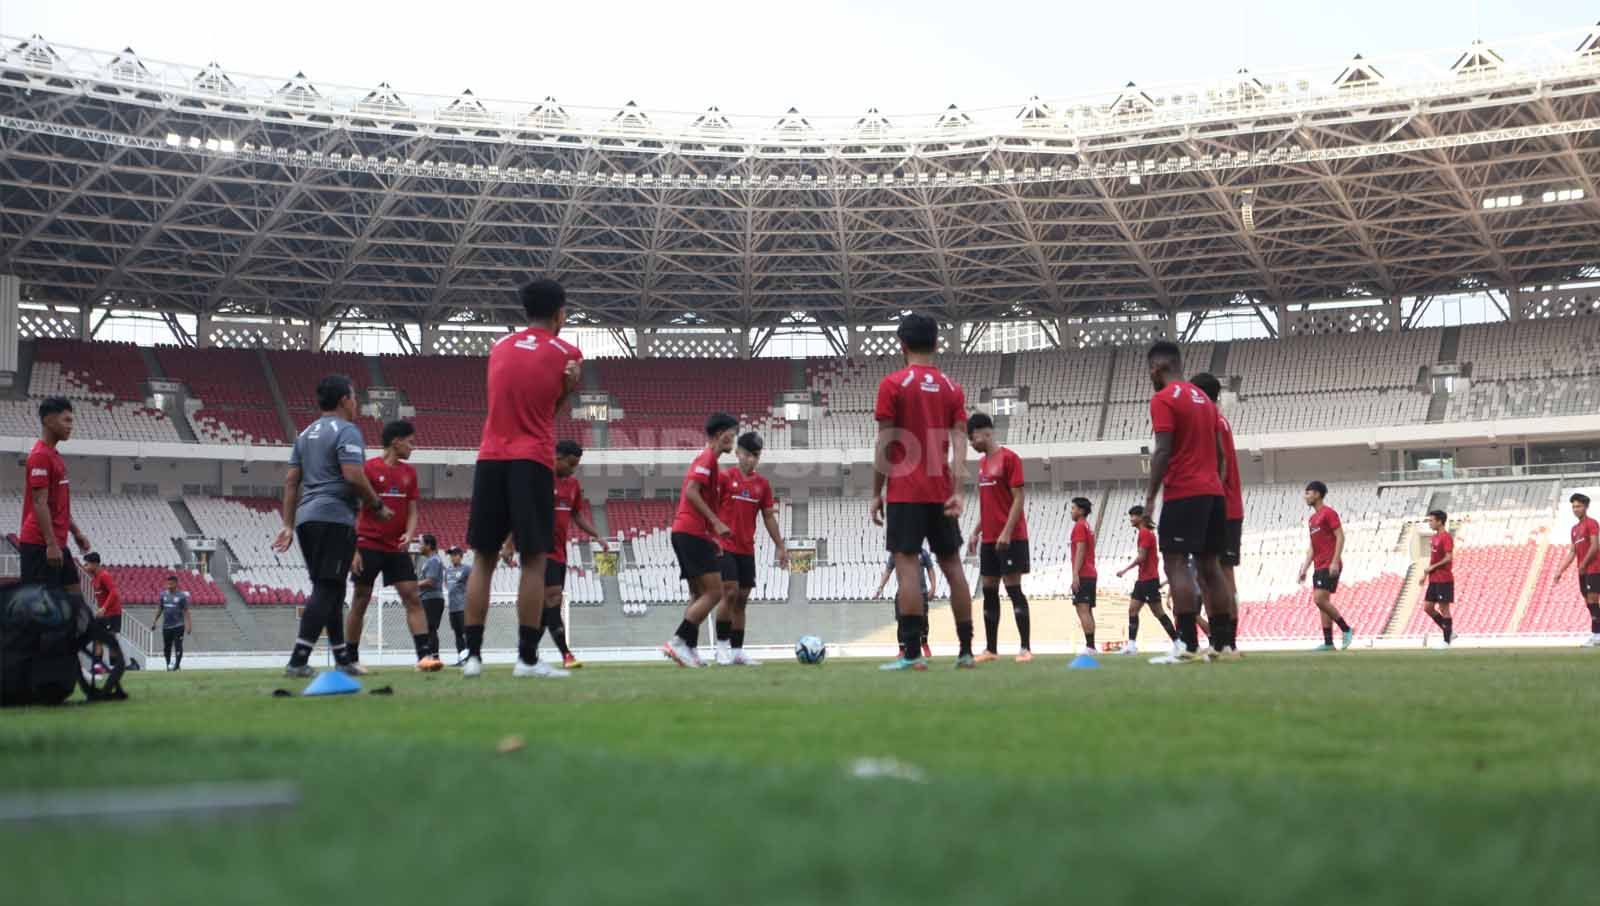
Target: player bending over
{"x": 1585, "y": 551}
{"x": 1327, "y": 555}
{"x": 696, "y": 532}
{"x": 919, "y": 463}
{"x": 1085, "y": 577}
{"x": 746, "y": 493}
{"x": 1003, "y": 531}
{"x": 1439, "y": 578}
{"x": 1147, "y": 584}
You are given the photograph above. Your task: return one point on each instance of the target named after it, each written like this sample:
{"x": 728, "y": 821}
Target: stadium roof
{"x": 191, "y": 188}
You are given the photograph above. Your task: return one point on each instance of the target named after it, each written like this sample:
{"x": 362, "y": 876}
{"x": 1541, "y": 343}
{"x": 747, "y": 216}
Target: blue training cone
{"x": 333, "y": 682}
{"x": 1084, "y": 662}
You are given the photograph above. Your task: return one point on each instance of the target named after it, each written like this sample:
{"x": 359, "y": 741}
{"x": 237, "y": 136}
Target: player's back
{"x": 1184, "y": 411}
{"x": 527, "y": 378}
{"x": 922, "y": 404}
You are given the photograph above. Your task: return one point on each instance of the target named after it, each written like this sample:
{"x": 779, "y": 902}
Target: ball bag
{"x": 45, "y": 642}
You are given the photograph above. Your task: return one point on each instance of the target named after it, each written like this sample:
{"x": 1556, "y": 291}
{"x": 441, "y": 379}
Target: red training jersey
{"x": 106, "y": 596}
{"x": 922, "y": 405}
{"x": 1184, "y": 411}
{"x": 569, "y": 503}
{"x": 1150, "y": 566}
{"x": 1584, "y": 534}
{"x": 743, "y": 497}
{"x": 46, "y": 469}
{"x": 1232, "y": 491}
{"x": 527, "y": 377}
{"x": 1323, "y": 524}
{"x": 1083, "y": 534}
{"x": 397, "y": 485}
{"x": 703, "y": 472}
{"x": 999, "y": 476}
{"x": 1441, "y": 544}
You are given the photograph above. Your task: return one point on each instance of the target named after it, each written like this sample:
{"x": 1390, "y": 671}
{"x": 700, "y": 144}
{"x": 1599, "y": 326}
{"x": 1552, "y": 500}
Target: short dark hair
{"x": 1136, "y": 510}
{"x": 172, "y": 577}
{"x": 751, "y": 442}
{"x": 1319, "y": 487}
{"x": 565, "y": 448}
{"x": 919, "y": 332}
{"x": 1579, "y": 498}
{"x": 720, "y": 422}
{"x": 1439, "y": 515}
{"x": 977, "y": 422}
{"x": 332, "y": 389}
{"x": 429, "y": 540}
{"x": 1083, "y": 503}
{"x": 397, "y": 430}
{"x": 92, "y": 557}
{"x": 1165, "y": 351}
{"x": 542, "y": 298}
{"x": 455, "y": 551}
{"x": 1208, "y": 384}
{"x": 53, "y": 405}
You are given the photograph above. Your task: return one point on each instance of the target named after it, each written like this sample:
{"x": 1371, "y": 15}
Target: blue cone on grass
{"x": 333, "y": 682}
{"x": 1084, "y": 662}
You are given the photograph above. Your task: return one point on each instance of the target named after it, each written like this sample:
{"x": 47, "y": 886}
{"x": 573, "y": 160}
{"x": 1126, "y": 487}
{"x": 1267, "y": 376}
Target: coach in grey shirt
{"x": 324, "y": 485}
{"x": 455, "y": 583}
{"x": 430, "y": 573}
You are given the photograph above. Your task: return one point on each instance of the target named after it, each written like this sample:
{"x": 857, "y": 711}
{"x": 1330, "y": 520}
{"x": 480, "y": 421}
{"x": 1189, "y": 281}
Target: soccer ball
{"x": 810, "y": 650}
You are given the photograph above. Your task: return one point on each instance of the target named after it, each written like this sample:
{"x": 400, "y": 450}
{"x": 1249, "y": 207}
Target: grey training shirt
{"x": 433, "y": 568}
{"x": 173, "y": 606}
{"x": 319, "y": 451}
{"x": 455, "y": 580}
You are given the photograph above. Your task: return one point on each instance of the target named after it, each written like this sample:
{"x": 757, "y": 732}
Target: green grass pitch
{"x": 1374, "y": 778}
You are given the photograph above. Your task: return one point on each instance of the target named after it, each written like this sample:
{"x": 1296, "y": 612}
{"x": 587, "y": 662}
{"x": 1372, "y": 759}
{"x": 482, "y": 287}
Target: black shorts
{"x": 1147, "y": 591}
{"x": 395, "y": 567}
{"x": 1193, "y": 525}
{"x": 1232, "y": 540}
{"x": 515, "y": 497}
{"x": 112, "y": 625}
{"x": 35, "y": 567}
{"x": 1589, "y": 584}
{"x": 1085, "y": 593}
{"x": 991, "y": 563}
{"x": 1322, "y": 580}
{"x": 740, "y": 568}
{"x": 555, "y": 573}
{"x": 910, "y": 524}
{"x": 328, "y": 548}
{"x": 175, "y": 634}
{"x": 1441, "y": 593}
{"x": 696, "y": 555}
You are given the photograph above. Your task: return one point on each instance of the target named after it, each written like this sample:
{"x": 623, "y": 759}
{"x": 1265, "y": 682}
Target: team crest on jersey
{"x": 929, "y": 384}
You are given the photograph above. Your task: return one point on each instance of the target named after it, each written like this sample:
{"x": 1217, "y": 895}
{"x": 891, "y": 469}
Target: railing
{"x": 1446, "y": 475}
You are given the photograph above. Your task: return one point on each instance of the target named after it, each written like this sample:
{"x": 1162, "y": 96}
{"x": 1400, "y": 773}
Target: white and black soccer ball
{"x": 810, "y": 650}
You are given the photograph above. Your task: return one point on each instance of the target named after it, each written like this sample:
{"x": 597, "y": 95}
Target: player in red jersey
{"x": 1186, "y": 470}
{"x": 531, "y": 373}
{"x": 1233, "y": 509}
{"x": 572, "y": 509}
{"x": 919, "y": 463}
{"x": 697, "y": 532}
{"x": 47, "y": 506}
{"x": 1147, "y": 584}
{"x": 1003, "y": 532}
{"x": 107, "y": 600}
{"x": 1327, "y": 556}
{"x": 1439, "y": 578}
{"x": 1585, "y": 552}
{"x": 1085, "y": 576}
{"x": 746, "y": 493}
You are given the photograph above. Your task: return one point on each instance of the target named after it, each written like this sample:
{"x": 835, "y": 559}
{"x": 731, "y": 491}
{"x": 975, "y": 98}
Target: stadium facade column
{"x": 202, "y": 330}
{"x": 85, "y": 321}
{"x": 954, "y": 334}
{"x": 430, "y": 336}
{"x": 1392, "y": 306}
{"x": 1064, "y": 333}
{"x": 644, "y": 344}
{"x": 10, "y": 322}
{"x": 1514, "y": 304}
{"x": 853, "y": 336}
{"x": 1172, "y": 325}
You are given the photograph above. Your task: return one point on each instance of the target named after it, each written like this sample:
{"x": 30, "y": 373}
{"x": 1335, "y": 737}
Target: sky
{"x": 759, "y": 57}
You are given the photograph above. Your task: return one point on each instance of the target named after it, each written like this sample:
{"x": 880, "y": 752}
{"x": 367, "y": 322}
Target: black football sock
{"x": 177, "y": 650}
{"x": 690, "y": 633}
{"x": 353, "y": 649}
{"x": 1019, "y": 610}
{"x": 312, "y": 621}
{"x": 1449, "y": 627}
{"x": 558, "y": 630}
{"x": 1437, "y": 618}
{"x": 1339, "y": 622}
{"x": 909, "y": 634}
{"x": 528, "y": 638}
{"x": 964, "y": 636}
{"x": 1189, "y": 631}
{"x": 991, "y": 618}
{"x": 458, "y": 625}
{"x": 1133, "y": 628}
{"x": 736, "y": 639}
{"x": 724, "y": 630}
{"x": 1088, "y": 639}
{"x": 475, "y": 641}
{"x": 420, "y": 641}
{"x": 1327, "y": 635}
{"x": 1594, "y": 619}
{"x": 1226, "y": 633}
{"x": 1167, "y": 627}
{"x": 922, "y": 630}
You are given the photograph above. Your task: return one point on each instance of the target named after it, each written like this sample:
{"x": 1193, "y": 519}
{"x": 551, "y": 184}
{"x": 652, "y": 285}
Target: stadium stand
{"x": 236, "y": 406}
{"x": 298, "y": 373}
{"x": 105, "y": 382}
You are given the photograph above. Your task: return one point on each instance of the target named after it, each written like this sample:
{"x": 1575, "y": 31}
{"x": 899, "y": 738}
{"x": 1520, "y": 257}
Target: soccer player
{"x": 920, "y": 460}
{"x": 1327, "y": 555}
{"x": 1439, "y": 578}
{"x": 572, "y": 508}
{"x": 455, "y": 580}
{"x": 1084, "y": 575}
{"x": 747, "y": 493}
{"x": 1003, "y": 533}
{"x": 1233, "y": 511}
{"x": 430, "y": 588}
{"x": 383, "y": 546}
{"x": 107, "y": 600}
{"x": 172, "y": 613}
{"x": 929, "y": 575}
{"x": 325, "y": 483}
{"x": 1585, "y": 551}
{"x": 1147, "y": 585}
{"x": 47, "y": 507}
{"x": 531, "y": 373}
{"x": 696, "y": 533}
{"x": 1186, "y": 471}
